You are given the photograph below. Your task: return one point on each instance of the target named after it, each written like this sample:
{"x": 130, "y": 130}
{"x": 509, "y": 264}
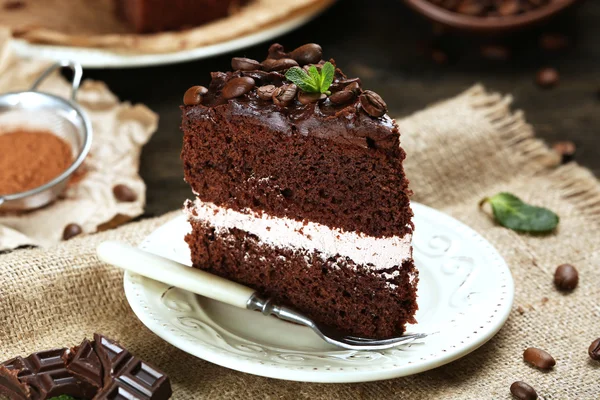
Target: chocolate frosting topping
{"x": 350, "y": 114}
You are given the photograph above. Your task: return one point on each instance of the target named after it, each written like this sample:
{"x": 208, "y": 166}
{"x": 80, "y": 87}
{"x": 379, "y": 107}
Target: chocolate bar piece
{"x": 98, "y": 370}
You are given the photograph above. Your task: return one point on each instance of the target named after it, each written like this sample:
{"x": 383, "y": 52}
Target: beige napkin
{"x": 120, "y": 131}
{"x": 458, "y": 152}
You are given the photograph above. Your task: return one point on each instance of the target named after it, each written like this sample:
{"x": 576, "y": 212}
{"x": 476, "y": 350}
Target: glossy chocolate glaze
{"x": 345, "y": 123}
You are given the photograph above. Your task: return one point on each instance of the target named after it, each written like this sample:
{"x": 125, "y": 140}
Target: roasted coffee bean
{"x": 566, "y": 277}
{"x": 284, "y": 95}
{"x": 307, "y": 98}
{"x": 193, "y": 95}
{"x": 522, "y": 391}
{"x": 276, "y": 51}
{"x": 547, "y": 77}
{"x": 471, "y": 7}
{"x": 539, "y": 358}
{"x": 237, "y": 87}
{"x": 594, "y": 350}
{"x": 354, "y": 87}
{"x": 257, "y": 75}
{"x": 566, "y": 149}
{"x": 342, "y": 97}
{"x": 495, "y": 52}
{"x": 124, "y": 193}
{"x": 310, "y": 53}
{"x": 554, "y": 41}
{"x": 71, "y": 231}
{"x": 279, "y": 65}
{"x": 266, "y": 92}
{"x": 373, "y": 104}
{"x": 244, "y": 64}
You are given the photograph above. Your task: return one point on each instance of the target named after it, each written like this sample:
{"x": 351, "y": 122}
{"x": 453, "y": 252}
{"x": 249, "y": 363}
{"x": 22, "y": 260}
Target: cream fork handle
{"x": 173, "y": 273}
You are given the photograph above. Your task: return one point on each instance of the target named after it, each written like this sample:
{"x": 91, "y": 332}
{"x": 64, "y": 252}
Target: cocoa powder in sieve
{"x": 29, "y": 159}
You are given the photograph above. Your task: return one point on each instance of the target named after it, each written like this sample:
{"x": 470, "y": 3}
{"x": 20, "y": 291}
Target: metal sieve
{"x": 34, "y": 110}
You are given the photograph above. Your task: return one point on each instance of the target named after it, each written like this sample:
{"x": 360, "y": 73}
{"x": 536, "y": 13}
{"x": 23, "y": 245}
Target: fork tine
{"x": 378, "y": 342}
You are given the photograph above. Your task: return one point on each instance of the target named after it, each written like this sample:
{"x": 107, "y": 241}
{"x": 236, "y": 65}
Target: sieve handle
{"x": 77, "y": 74}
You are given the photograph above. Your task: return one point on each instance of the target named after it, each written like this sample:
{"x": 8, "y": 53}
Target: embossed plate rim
{"x": 314, "y": 366}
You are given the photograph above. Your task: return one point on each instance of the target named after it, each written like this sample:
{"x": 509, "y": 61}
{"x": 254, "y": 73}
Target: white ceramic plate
{"x": 465, "y": 296}
{"x": 101, "y": 58}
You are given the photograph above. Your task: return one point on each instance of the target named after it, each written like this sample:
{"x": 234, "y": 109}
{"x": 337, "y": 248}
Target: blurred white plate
{"x": 465, "y": 296}
{"x": 102, "y": 58}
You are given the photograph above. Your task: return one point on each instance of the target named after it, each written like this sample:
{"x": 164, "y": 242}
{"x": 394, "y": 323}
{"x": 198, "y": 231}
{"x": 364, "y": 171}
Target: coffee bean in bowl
{"x": 489, "y": 17}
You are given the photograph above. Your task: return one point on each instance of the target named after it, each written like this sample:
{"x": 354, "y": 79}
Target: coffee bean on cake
{"x": 307, "y": 98}
{"x": 244, "y": 64}
{"x": 266, "y": 92}
{"x": 522, "y": 391}
{"x": 566, "y": 277}
{"x": 237, "y": 87}
{"x": 373, "y": 104}
{"x": 284, "y": 95}
{"x": 310, "y": 53}
{"x": 194, "y": 95}
{"x": 124, "y": 193}
{"x": 342, "y": 97}
{"x": 279, "y": 65}
{"x": 539, "y": 358}
{"x": 594, "y": 350}
{"x": 71, "y": 231}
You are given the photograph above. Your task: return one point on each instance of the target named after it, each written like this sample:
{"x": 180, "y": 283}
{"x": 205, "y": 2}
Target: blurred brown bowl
{"x": 489, "y": 25}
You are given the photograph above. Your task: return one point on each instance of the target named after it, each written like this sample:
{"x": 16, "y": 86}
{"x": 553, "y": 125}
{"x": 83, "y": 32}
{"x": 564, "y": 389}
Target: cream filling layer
{"x": 380, "y": 253}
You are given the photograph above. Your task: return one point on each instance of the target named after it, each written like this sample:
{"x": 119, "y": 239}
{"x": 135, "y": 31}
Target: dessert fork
{"x": 203, "y": 283}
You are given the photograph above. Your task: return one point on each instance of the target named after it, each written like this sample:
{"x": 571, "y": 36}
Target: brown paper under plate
{"x": 459, "y": 151}
{"x": 120, "y": 131}
{"x": 86, "y": 23}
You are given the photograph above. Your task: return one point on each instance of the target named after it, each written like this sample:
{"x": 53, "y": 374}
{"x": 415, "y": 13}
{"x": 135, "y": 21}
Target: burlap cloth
{"x": 458, "y": 152}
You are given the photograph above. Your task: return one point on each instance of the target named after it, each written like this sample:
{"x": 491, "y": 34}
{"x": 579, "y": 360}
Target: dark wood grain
{"x": 387, "y": 45}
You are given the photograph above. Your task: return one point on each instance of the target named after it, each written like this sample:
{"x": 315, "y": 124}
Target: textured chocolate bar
{"x": 98, "y": 370}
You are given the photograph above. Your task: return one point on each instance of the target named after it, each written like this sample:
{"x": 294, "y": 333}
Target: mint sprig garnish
{"x": 314, "y": 81}
{"x": 513, "y": 213}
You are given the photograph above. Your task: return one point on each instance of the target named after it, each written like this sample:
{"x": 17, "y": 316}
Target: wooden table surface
{"x": 386, "y": 44}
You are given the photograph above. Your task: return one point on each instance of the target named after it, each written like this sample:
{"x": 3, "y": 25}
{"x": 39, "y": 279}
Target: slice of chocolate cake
{"x": 300, "y": 190}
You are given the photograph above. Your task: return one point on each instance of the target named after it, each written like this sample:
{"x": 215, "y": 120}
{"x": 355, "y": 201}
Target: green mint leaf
{"x": 327, "y": 73}
{"x": 301, "y": 79}
{"x": 314, "y": 73}
{"x": 63, "y": 397}
{"x": 511, "y": 212}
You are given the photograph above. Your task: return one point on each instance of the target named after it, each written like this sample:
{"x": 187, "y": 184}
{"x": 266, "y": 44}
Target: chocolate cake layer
{"x": 160, "y": 15}
{"x": 334, "y": 290}
{"x": 328, "y": 161}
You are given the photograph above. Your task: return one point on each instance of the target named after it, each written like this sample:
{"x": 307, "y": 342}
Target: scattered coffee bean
{"x": 566, "y": 150}
{"x": 266, "y": 92}
{"x": 244, "y": 64}
{"x": 547, "y": 77}
{"x": 554, "y": 41}
{"x": 124, "y": 193}
{"x": 193, "y": 95}
{"x": 279, "y": 65}
{"x": 14, "y": 4}
{"x": 495, "y": 52}
{"x": 237, "y": 87}
{"x": 310, "y": 53}
{"x": 439, "y": 57}
{"x": 342, "y": 97}
{"x": 307, "y": 98}
{"x": 594, "y": 350}
{"x": 71, "y": 231}
{"x": 539, "y": 358}
{"x": 284, "y": 95}
{"x": 566, "y": 277}
{"x": 522, "y": 391}
{"x": 373, "y": 104}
